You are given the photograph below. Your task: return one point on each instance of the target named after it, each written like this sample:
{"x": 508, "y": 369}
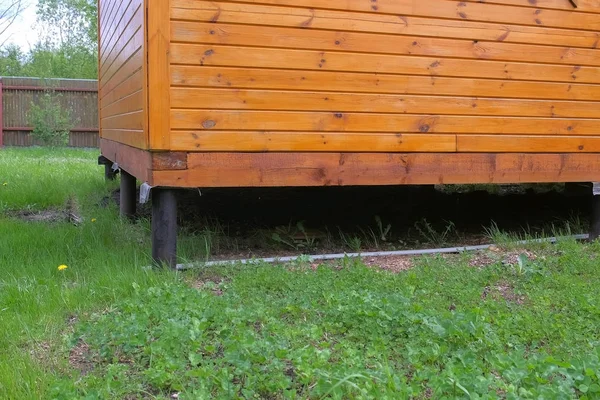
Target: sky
{"x": 23, "y": 32}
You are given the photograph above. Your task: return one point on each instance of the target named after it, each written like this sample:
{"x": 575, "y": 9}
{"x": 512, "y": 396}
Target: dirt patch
{"x": 393, "y": 264}
{"x": 482, "y": 259}
{"x": 70, "y": 213}
{"x": 80, "y": 358}
{"x": 512, "y": 257}
{"x": 213, "y": 283}
{"x": 47, "y": 216}
{"x": 41, "y": 352}
{"x": 505, "y": 291}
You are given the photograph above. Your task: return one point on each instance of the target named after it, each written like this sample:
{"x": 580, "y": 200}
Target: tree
{"x": 11, "y": 61}
{"x": 9, "y": 11}
{"x": 69, "y": 22}
{"x": 69, "y": 46}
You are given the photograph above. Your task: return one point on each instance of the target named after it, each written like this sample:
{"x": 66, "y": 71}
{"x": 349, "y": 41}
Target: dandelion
{"x": 62, "y": 267}
{"x": 93, "y": 219}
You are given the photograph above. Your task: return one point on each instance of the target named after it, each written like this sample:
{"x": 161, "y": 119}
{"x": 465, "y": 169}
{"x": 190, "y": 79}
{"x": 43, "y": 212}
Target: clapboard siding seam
{"x": 248, "y": 78}
{"x": 132, "y": 46}
{"x": 124, "y": 89}
{"x": 428, "y": 14}
{"x": 108, "y": 14}
{"x": 124, "y": 64}
{"x": 386, "y": 93}
{"x": 123, "y": 114}
{"x": 319, "y": 110}
{"x": 463, "y": 39}
{"x": 310, "y": 141}
{"x": 312, "y": 60}
{"x": 433, "y": 75}
{"x": 108, "y": 44}
{"x": 129, "y": 103}
{"x": 567, "y": 6}
{"x": 120, "y": 9}
{"x": 213, "y": 120}
{"x": 461, "y": 28}
{"x": 237, "y": 34}
{"x": 124, "y": 81}
{"x": 128, "y": 31}
{"x": 270, "y": 100}
{"x": 178, "y": 42}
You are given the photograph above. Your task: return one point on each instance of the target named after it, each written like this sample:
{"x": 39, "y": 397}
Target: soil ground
{"x": 286, "y": 221}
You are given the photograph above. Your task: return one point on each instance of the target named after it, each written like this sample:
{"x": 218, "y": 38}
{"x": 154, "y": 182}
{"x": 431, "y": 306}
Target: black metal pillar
{"x": 164, "y": 227}
{"x": 109, "y": 173}
{"x": 128, "y": 195}
{"x": 595, "y": 222}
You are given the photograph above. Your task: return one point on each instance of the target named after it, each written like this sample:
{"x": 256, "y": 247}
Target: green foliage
{"x": 107, "y": 328}
{"x": 67, "y": 48}
{"x": 71, "y": 22}
{"x": 11, "y": 61}
{"x": 432, "y": 235}
{"x": 50, "y": 121}
{"x": 296, "y": 237}
{"x": 349, "y": 332}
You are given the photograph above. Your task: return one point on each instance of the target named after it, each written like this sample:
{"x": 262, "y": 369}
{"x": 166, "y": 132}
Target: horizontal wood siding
{"x": 385, "y": 76}
{"x": 122, "y": 82}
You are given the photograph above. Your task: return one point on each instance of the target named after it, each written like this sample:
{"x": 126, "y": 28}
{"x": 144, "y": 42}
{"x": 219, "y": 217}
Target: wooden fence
{"x": 78, "y": 96}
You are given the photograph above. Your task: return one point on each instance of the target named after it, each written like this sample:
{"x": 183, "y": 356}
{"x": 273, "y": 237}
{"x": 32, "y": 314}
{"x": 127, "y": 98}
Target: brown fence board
{"x": 18, "y": 94}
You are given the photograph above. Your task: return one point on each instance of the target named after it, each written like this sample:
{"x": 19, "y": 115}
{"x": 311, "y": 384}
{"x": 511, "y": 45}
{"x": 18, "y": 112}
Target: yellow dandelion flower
{"x": 62, "y": 267}
{"x": 93, "y": 219}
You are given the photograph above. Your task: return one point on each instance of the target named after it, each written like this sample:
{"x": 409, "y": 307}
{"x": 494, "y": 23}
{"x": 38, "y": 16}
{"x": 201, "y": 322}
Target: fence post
{"x": 1, "y": 115}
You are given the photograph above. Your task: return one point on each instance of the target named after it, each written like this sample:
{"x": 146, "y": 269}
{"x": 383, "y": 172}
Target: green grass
{"x": 443, "y": 329}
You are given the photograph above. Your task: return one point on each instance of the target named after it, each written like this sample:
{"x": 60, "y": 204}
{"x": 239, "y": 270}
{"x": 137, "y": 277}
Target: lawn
{"x": 508, "y": 323}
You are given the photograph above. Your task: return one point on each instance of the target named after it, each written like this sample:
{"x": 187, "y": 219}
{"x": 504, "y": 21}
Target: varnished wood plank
{"x": 215, "y": 55}
{"x": 169, "y": 161}
{"x": 127, "y": 70}
{"x": 132, "y": 48}
{"x": 371, "y": 122}
{"x": 158, "y": 73}
{"x": 131, "y": 103}
{"x": 457, "y": 10}
{"x": 106, "y": 12}
{"x": 532, "y": 144}
{"x": 135, "y": 161}
{"x": 242, "y": 35}
{"x": 190, "y": 98}
{"x": 344, "y": 169}
{"x": 310, "y": 141}
{"x": 133, "y": 138}
{"x": 120, "y": 48}
{"x": 130, "y": 21}
{"x": 134, "y": 83}
{"x": 130, "y": 121}
{"x": 250, "y": 78}
{"x": 294, "y": 17}
{"x": 121, "y": 96}
{"x": 582, "y": 5}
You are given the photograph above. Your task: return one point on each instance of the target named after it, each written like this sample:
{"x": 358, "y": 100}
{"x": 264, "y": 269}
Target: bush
{"x": 51, "y": 123}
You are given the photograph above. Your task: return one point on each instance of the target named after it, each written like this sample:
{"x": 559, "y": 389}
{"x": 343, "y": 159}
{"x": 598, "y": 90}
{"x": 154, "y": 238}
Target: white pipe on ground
{"x": 324, "y": 257}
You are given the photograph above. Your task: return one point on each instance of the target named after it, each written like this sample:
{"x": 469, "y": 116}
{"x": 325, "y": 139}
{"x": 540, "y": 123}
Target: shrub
{"x": 50, "y": 121}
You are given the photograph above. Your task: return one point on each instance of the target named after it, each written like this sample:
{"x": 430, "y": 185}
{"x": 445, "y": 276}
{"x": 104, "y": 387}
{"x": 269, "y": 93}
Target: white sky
{"x": 23, "y": 32}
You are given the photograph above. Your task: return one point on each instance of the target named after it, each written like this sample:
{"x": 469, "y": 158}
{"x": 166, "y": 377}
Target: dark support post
{"x": 164, "y": 227}
{"x": 128, "y": 197}
{"x": 595, "y": 224}
{"x": 109, "y": 174}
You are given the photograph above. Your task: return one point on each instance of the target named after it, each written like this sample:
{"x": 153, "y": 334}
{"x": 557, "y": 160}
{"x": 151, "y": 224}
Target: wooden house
{"x": 255, "y": 93}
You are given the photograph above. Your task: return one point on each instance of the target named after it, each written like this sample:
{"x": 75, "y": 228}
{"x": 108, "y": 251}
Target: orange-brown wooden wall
{"x": 122, "y": 72}
{"x": 384, "y": 76}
